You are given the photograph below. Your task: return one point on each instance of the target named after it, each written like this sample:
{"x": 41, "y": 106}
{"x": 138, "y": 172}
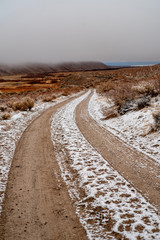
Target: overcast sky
{"x": 76, "y": 30}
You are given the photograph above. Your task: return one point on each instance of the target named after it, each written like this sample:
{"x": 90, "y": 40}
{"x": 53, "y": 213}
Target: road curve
{"x": 141, "y": 171}
{"x": 37, "y": 204}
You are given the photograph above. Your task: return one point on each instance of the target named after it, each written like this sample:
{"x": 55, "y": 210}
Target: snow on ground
{"x": 107, "y": 205}
{"x": 130, "y": 127}
{"x": 10, "y": 132}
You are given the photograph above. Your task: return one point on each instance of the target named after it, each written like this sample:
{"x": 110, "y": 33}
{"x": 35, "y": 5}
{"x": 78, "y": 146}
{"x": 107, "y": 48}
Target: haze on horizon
{"x": 53, "y": 31}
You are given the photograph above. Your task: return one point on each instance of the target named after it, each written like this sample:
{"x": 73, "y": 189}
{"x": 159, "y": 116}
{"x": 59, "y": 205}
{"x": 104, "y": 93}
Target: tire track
{"x": 107, "y": 205}
{"x": 37, "y": 205}
{"x": 140, "y": 170}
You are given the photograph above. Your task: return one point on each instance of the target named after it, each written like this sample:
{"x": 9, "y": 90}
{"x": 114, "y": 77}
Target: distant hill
{"x": 46, "y": 68}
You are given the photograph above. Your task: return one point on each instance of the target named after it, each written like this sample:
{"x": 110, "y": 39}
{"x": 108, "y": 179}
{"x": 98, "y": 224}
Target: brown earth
{"x": 35, "y": 77}
{"x": 37, "y": 204}
{"x": 37, "y": 85}
{"x": 140, "y": 170}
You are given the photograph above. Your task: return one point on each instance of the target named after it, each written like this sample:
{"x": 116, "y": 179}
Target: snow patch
{"x": 131, "y": 127}
{"x": 10, "y": 132}
{"x": 107, "y": 205}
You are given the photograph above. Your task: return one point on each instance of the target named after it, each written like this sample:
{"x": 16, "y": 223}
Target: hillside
{"x": 45, "y": 68}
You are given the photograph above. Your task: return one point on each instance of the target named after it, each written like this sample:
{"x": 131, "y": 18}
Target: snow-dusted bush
{"x": 145, "y": 88}
{"x": 6, "y": 116}
{"x": 143, "y": 102}
{"x": 22, "y": 105}
{"x": 105, "y": 87}
{"x": 3, "y": 108}
{"x": 109, "y": 113}
{"x": 156, "y": 117}
{"x": 49, "y": 98}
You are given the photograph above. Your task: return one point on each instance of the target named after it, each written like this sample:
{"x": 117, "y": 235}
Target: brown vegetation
{"x": 156, "y": 117}
{"x": 109, "y": 113}
{"x": 130, "y": 91}
{"x": 6, "y": 116}
{"x": 22, "y": 105}
{"x": 147, "y": 88}
{"x": 128, "y": 88}
{"x": 106, "y": 86}
{"x": 49, "y": 98}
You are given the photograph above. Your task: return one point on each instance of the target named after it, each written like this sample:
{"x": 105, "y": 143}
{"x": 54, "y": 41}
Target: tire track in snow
{"x": 10, "y": 132}
{"x": 107, "y": 205}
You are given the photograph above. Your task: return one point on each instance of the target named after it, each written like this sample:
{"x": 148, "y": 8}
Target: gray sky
{"x": 76, "y": 30}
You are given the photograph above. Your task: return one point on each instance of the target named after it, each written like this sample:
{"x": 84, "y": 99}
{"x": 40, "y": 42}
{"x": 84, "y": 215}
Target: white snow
{"x": 130, "y": 127}
{"x": 107, "y": 205}
{"x": 10, "y": 132}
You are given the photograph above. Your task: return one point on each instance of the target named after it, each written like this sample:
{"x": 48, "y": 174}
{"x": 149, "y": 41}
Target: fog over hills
{"x": 45, "y": 68}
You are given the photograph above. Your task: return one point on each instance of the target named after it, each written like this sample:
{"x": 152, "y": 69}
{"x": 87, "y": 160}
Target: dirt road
{"x": 137, "y": 168}
{"x": 37, "y": 204}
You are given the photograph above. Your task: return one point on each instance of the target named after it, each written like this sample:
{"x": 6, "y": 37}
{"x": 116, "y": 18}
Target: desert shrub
{"x": 23, "y": 105}
{"x": 146, "y": 88}
{"x": 49, "y": 98}
{"x": 6, "y": 116}
{"x": 142, "y": 102}
{"x": 105, "y": 87}
{"x": 10, "y": 104}
{"x": 29, "y": 102}
{"x": 109, "y": 113}
{"x": 127, "y": 106}
{"x": 123, "y": 99}
{"x": 66, "y": 92}
{"x": 54, "y": 96}
{"x": 157, "y": 86}
{"x": 17, "y": 105}
{"x": 156, "y": 117}
{"x": 122, "y": 95}
{"x": 75, "y": 89}
{"x": 3, "y": 108}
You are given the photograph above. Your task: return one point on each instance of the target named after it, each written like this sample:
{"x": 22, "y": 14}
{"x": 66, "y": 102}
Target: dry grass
{"x": 157, "y": 85}
{"x": 128, "y": 95}
{"x": 152, "y": 127}
{"x": 6, "y": 116}
{"x": 66, "y": 92}
{"x": 106, "y": 86}
{"x": 146, "y": 88}
{"x": 156, "y": 117}
{"x": 122, "y": 94}
{"x": 142, "y": 102}
{"x": 49, "y": 98}
{"x": 122, "y": 86}
{"x": 22, "y": 105}
{"x": 29, "y": 103}
{"x": 3, "y": 108}
{"x": 109, "y": 113}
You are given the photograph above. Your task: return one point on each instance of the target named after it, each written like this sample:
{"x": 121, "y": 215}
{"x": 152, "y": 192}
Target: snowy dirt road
{"x": 102, "y": 202}
{"x": 37, "y": 205}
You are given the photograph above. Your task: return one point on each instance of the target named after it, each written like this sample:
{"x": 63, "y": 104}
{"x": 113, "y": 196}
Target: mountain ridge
{"x": 46, "y": 68}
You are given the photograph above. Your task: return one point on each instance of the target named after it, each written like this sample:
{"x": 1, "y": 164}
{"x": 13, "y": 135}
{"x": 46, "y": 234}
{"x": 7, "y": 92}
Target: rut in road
{"x": 37, "y": 205}
{"x": 107, "y": 205}
{"x": 136, "y": 167}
